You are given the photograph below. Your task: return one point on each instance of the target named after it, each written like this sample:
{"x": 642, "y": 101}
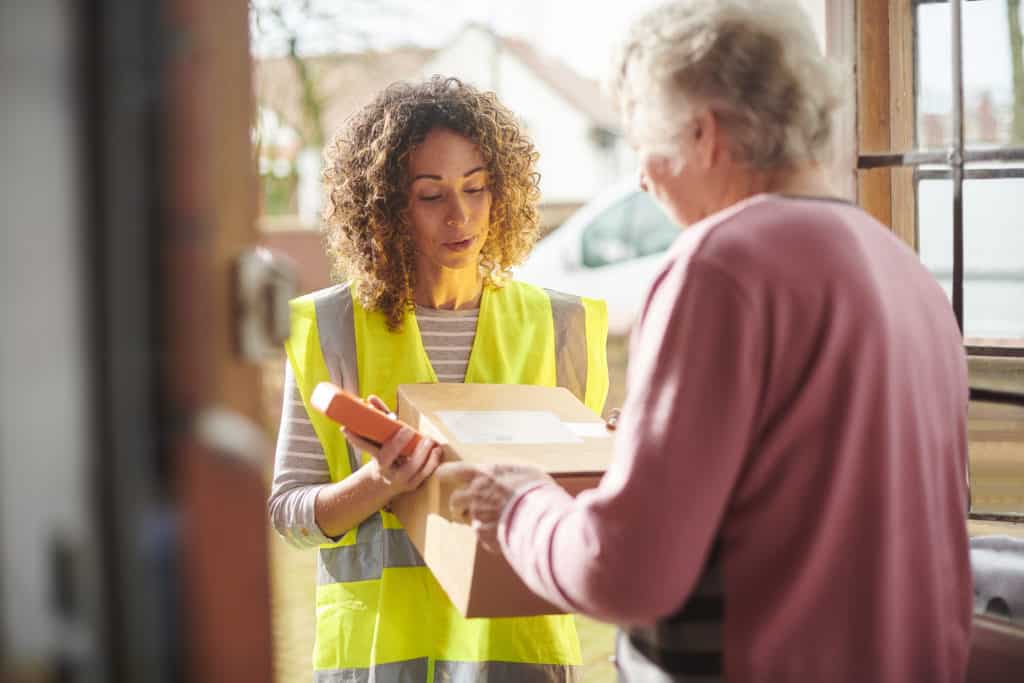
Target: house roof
{"x": 582, "y": 93}
{"x": 347, "y": 81}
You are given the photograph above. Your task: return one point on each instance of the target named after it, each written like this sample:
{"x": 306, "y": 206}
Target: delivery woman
{"x": 431, "y": 199}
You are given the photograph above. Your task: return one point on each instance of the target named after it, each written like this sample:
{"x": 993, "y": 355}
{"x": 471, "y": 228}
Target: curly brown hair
{"x": 367, "y": 185}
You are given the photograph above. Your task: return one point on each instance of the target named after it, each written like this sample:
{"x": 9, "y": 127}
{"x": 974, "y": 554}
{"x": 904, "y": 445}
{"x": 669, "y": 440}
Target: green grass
{"x": 597, "y": 641}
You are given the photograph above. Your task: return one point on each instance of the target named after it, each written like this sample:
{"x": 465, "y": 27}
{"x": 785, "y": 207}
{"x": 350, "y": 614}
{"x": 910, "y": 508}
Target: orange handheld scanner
{"x": 358, "y": 416}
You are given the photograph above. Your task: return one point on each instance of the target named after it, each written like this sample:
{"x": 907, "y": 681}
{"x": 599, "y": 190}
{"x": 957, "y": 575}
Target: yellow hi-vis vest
{"x": 381, "y": 615}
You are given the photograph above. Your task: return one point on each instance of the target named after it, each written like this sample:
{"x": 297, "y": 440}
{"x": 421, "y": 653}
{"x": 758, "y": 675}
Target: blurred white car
{"x": 609, "y": 249}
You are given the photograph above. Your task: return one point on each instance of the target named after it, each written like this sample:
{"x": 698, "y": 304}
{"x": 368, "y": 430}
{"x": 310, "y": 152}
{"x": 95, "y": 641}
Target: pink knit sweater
{"x": 797, "y": 399}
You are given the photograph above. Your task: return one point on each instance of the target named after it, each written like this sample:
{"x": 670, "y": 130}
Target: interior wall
{"x": 44, "y": 434}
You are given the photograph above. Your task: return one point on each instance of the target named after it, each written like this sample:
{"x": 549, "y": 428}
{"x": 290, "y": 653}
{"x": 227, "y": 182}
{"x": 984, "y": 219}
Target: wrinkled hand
{"x": 482, "y": 493}
{"x": 400, "y": 472}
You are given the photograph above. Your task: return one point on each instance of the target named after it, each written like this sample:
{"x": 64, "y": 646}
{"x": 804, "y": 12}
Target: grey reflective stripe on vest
{"x": 520, "y": 672}
{"x": 570, "y": 319}
{"x": 336, "y": 329}
{"x": 415, "y": 671}
{"x": 375, "y": 549}
{"x": 409, "y": 671}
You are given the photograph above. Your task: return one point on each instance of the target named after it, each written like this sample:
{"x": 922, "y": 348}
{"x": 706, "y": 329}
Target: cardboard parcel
{"x": 493, "y": 424}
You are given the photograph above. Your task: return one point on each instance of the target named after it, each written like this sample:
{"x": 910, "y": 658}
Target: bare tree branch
{"x": 300, "y": 30}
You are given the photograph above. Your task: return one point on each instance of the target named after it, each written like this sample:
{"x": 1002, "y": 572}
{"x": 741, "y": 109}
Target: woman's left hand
{"x": 483, "y": 491}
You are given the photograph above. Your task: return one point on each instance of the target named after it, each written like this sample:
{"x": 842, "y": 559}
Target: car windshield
{"x": 631, "y": 228}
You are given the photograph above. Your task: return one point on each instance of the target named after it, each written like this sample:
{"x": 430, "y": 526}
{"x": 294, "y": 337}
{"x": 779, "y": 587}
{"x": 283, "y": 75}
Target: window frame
{"x": 886, "y": 117}
{"x": 877, "y": 157}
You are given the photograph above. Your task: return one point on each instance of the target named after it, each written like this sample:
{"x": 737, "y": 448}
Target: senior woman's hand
{"x": 483, "y": 491}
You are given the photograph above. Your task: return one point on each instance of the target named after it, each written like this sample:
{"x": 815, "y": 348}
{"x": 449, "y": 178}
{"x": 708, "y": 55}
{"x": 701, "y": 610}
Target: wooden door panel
{"x": 225, "y": 620}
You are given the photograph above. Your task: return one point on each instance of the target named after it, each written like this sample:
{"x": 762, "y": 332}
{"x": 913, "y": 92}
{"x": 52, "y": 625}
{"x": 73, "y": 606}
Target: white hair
{"x": 755, "y": 63}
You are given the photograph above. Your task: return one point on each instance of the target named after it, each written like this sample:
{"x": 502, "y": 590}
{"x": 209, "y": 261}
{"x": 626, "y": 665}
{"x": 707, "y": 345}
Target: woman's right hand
{"x": 400, "y": 472}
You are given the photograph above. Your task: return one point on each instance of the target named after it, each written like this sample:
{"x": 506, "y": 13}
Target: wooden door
{"x": 220, "y": 460}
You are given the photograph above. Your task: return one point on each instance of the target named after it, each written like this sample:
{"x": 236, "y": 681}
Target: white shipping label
{"x": 590, "y": 430}
{"x": 507, "y": 426}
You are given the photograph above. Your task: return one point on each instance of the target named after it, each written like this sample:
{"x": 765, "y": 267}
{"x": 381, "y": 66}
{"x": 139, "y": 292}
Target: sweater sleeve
{"x": 300, "y": 472}
{"x": 632, "y": 550}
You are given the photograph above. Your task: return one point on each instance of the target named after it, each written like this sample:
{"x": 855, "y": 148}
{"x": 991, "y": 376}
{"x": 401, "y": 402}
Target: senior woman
{"x": 787, "y": 498}
{"x": 432, "y": 195}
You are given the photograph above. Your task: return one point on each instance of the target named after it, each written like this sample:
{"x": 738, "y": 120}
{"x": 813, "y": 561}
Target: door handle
{"x": 264, "y": 284}
{"x": 233, "y": 436}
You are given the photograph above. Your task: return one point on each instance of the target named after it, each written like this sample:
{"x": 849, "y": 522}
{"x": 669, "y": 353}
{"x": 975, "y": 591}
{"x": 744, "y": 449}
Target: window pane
{"x": 932, "y": 75}
{"x": 994, "y": 258}
{"x": 993, "y": 73}
{"x": 993, "y": 251}
{"x": 993, "y": 106}
{"x": 935, "y": 229}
